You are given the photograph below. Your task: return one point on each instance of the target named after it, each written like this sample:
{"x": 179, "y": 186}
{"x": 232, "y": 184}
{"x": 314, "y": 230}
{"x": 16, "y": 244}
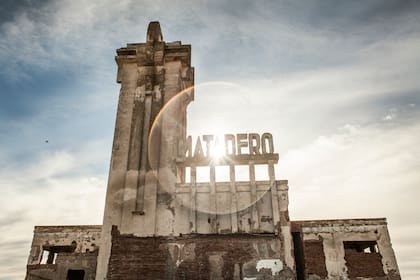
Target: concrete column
{"x": 144, "y": 153}
{"x": 193, "y": 208}
{"x": 213, "y": 205}
{"x": 234, "y": 200}
{"x": 114, "y": 203}
{"x": 254, "y": 209}
{"x": 274, "y": 197}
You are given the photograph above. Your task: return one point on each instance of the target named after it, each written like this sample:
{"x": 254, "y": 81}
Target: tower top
{"x": 154, "y": 34}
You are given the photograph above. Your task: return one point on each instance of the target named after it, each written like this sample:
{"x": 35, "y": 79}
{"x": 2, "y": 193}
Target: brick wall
{"x": 360, "y": 264}
{"x": 230, "y": 256}
{"x": 314, "y": 258}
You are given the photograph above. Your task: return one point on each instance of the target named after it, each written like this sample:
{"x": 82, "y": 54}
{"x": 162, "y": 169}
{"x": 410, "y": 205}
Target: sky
{"x": 335, "y": 82}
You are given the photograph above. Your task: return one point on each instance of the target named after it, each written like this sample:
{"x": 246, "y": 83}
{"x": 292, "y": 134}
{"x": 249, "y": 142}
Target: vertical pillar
{"x": 255, "y": 226}
{"x": 51, "y": 256}
{"x": 114, "y": 203}
{"x": 213, "y": 206}
{"x": 233, "y": 200}
{"x": 274, "y": 196}
{"x": 144, "y": 153}
{"x": 193, "y": 199}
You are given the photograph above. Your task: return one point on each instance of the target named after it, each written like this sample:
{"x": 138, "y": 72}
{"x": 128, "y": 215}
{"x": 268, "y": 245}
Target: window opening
{"x": 261, "y": 172}
{"x": 222, "y": 174}
{"x": 242, "y": 172}
{"x": 49, "y": 253}
{"x": 361, "y": 246}
{"x": 75, "y": 274}
{"x": 203, "y": 174}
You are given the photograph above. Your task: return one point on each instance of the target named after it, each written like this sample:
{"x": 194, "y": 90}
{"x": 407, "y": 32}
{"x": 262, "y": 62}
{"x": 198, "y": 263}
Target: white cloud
{"x": 389, "y": 117}
{"x": 368, "y": 172}
{"x": 54, "y": 189}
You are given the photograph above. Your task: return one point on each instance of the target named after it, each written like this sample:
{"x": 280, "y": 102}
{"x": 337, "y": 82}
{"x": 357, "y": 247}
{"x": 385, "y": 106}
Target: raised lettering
{"x": 241, "y": 142}
{"x": 254, "y": 146}
{"x": 208, "y": 139}
{"x": 198, "y": 152}
{"x": 230, "y": 138}
{"x": 267, "y": 138}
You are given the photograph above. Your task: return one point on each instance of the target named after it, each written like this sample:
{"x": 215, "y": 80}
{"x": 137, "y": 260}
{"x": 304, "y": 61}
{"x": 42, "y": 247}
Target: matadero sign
{"x": 230, "y": 149}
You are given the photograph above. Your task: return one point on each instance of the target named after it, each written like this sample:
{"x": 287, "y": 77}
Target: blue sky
{"x": 335, "y": 82}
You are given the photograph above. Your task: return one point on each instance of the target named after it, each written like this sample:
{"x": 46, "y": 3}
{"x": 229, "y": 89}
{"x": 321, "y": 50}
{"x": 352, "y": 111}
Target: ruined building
{"x": 160, "y": 223}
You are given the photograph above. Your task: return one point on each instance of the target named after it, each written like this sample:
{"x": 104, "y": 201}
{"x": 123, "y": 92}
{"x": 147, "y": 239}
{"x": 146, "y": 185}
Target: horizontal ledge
{"x": 222, "y": 187}
{"x": 221, "y": 190}
{"x": 283, "y": 184}
{"x": 230, "y": 160}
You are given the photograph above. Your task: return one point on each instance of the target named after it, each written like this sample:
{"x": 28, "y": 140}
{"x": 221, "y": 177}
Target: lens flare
{"x": 211, "y": 112}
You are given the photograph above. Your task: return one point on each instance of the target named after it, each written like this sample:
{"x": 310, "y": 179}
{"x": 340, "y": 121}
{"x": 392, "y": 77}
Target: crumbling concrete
{"x": 197, "y": 256}
{"x": 64, "y": 252}
{"x": 346, "y": 249}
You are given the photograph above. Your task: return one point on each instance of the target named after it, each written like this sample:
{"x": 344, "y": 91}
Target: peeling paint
{"x": 341, "y": 262}
{"x": 275, "y": 265}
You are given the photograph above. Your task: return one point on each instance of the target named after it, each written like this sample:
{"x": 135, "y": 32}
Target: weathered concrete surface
{"x": 347, "y": 249}
{"x": 150, "y": 75}
{"x": 57, "y": 249}
{"x": 225, "y": 196}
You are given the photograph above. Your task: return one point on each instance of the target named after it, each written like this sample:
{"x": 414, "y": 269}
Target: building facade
{"x": 160, "y": 223}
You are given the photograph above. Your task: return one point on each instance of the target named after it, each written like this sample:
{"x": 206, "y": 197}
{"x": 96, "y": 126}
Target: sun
{"x": 218, "y": 150}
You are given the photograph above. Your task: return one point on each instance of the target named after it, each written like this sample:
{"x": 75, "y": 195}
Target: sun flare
{"x": 217, "y": 150}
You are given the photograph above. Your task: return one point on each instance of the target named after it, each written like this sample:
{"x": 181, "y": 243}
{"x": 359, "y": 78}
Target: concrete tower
{"x": 149, "y": 200}
{"x": 150, "y": 75}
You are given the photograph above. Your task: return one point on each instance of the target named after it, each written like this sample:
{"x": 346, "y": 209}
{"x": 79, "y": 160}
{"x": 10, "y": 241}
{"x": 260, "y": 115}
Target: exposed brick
{"x": 314, "y": 258}
{"x": 360, "y": 264}
{"x": 149, "y": 257}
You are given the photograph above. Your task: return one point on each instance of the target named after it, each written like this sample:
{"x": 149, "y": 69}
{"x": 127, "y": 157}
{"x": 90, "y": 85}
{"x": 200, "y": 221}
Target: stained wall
{"x": 195, "y": 256}
{"x": 57, "y": 249}
{"x": 346, "y": 249}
